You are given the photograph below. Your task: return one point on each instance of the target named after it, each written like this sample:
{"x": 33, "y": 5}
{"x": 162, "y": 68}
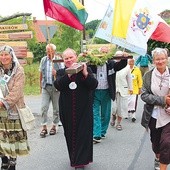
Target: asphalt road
{"x": 129, "y": 149}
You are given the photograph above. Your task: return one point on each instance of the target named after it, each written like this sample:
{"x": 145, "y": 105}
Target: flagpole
{"x": 83, "y": 41}
{"x": 48, "y": 32}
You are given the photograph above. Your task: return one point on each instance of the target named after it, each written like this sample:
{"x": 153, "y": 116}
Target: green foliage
{"x": 95, "y": 57}
{"x": 67, "y": 37}
{"x": 152, "y": 44}
{"x": 91, "y": 28}
{"x": 32, "y": 79}
{"x": 100, "y": 41}
{"x": 38, "y": 49}
{"x": 92, "y": 24}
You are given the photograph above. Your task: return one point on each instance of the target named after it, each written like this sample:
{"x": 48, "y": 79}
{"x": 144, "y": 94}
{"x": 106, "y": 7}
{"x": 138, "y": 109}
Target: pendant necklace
{"x": 73, "y": 84}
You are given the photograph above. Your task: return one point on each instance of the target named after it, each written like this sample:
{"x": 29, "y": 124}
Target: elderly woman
{"x": 155, "y": 95}
{"x": 13, "y": 139}
{"x": 75, "y": 108}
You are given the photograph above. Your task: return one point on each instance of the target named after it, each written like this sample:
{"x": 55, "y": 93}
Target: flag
{"x": 162, "y": 32}
{"x": 69, "y": 12}
{"x": 143, "y": 22}
{"x": 122, "y": 14}
{"x": 130, "y": 24}
{"x": 104, "y": 31}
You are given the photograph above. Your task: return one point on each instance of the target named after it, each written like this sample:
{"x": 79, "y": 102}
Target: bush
{"x": 32, "y": 83}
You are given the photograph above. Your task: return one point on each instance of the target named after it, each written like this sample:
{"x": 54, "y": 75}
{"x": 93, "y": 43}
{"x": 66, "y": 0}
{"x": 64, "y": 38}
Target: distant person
{"x": 143, "y": 61}
{"x": 48, "y": 71}
{"x": 155, "y": 94}
{"x": 137, "y": 85}
{"x": 13, "y": 138}
{"x": 123, "y": 86}
{"x": 104, "y": 92}
{"x": 76, "y": 112}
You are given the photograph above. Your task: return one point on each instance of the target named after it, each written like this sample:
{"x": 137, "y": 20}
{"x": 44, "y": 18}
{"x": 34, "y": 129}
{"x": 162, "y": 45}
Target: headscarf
{"x": 15, "y": 62}
{"x": 11, "y": 52}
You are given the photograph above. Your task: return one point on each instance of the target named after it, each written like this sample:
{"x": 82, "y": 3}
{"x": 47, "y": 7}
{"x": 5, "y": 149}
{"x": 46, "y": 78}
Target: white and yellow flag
{"x": 142, "y": 24}
{"x": 129, "y": 24}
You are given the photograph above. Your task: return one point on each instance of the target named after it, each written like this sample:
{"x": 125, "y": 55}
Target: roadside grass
{"x": 32, "y": 83}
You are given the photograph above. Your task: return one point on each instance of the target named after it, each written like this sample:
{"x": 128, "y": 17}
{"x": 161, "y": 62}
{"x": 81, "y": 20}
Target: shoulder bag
{"x": 27, "y": 118}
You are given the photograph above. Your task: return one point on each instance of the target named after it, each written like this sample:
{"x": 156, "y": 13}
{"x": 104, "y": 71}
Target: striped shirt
{"x": 102, "y": 77}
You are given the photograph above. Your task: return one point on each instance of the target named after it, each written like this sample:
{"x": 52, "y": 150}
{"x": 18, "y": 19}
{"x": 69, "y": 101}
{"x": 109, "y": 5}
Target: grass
{"x": 32, "y": 85}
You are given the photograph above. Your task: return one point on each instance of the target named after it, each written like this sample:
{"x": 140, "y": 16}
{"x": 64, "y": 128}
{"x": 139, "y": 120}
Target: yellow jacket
{"x": 137, "y": 79}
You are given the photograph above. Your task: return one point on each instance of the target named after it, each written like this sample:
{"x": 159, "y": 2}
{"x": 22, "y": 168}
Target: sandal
{"x": 43, "y": 133}
{"x": 52, "y": 131}
{"x": 119, "y": 127}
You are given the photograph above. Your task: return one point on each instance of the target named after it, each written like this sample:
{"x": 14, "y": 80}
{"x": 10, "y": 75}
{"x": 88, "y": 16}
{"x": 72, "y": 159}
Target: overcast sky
{"x": 95, "y": 8}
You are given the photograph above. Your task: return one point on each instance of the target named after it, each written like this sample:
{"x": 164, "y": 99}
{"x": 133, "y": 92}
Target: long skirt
{"x": 13, "y": 139}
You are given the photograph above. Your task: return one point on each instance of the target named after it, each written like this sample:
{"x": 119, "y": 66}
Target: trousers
{"x": 101, "y": 112}
{"x": 49, "y": 95}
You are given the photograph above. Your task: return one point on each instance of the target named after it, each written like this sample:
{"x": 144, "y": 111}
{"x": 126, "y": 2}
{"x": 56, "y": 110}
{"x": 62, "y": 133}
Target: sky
{"x": 95, "y": 8}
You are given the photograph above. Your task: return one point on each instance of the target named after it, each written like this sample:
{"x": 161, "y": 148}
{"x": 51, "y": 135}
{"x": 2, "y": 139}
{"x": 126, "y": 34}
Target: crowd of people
{"x": 86, "y": 102}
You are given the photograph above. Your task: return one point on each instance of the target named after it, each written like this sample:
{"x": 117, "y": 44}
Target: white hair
{"x": 158, "y": 51}
{"x": 118, "y": 53}
{"x": 51, "y": 45}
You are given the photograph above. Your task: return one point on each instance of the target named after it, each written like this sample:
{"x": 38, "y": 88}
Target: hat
{"x": 120, "y": 53}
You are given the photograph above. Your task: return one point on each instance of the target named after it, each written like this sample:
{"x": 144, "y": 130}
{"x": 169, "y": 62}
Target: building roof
{"x": 44, "y": 29}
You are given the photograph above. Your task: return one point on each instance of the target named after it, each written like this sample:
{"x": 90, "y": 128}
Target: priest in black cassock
{"x": 75, "y": 108}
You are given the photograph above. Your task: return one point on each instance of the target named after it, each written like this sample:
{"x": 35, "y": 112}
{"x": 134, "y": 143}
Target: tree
{"x": 67, "y": 37}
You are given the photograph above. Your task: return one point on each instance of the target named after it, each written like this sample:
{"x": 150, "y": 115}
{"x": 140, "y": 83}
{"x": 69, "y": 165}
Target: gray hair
{"x": 68, "y": 51}
{"x": 158, "y": 51}
{"x": 51, "y": 45}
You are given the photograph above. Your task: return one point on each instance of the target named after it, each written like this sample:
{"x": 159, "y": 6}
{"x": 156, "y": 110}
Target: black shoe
{"x": 12, "y": 167}
{"x": 5, "y": 163}
{"x": 103, "y": 136}
{"x": 96, "y": 140}
{"x": 4, "y": 166}
{"x": 133, "y": 119}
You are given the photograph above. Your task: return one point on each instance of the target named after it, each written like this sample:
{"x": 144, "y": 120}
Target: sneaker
{"x": 96, "y": 139}
{"x": 103, "y": 136}
{"x": 156, "y": 164}
{"x": 113, "y": 120}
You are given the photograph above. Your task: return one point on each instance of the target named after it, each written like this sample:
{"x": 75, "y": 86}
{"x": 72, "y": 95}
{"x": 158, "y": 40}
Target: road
{"x": 129, "y": 149}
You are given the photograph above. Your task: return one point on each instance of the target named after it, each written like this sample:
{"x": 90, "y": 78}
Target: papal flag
{"x": 104, "y": 31}
{"x": 143, "y": 22}
{"x": 69, "y": 12}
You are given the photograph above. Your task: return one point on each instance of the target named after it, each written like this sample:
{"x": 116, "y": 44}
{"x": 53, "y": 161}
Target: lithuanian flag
{"x": 69, "y": 12}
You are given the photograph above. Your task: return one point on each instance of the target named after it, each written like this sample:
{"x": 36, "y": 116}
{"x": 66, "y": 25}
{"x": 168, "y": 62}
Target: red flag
{"x": 71, "y": 13}
{"x": 162, "y": 32}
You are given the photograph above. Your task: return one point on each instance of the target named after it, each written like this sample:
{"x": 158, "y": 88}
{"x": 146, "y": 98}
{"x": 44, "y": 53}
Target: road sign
{"x": 14, "y": 43}
{"x": 30, "y": 54}
{"x": 16, "y": 36}
{"x": 13, "y": 27}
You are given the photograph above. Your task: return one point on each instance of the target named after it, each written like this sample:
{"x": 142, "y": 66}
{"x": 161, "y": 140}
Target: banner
{"x": 104, "y": 31}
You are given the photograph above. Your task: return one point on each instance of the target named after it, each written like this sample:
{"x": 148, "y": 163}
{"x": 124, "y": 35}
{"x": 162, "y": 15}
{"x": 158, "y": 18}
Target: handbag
{"x": 27, "y": 118}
